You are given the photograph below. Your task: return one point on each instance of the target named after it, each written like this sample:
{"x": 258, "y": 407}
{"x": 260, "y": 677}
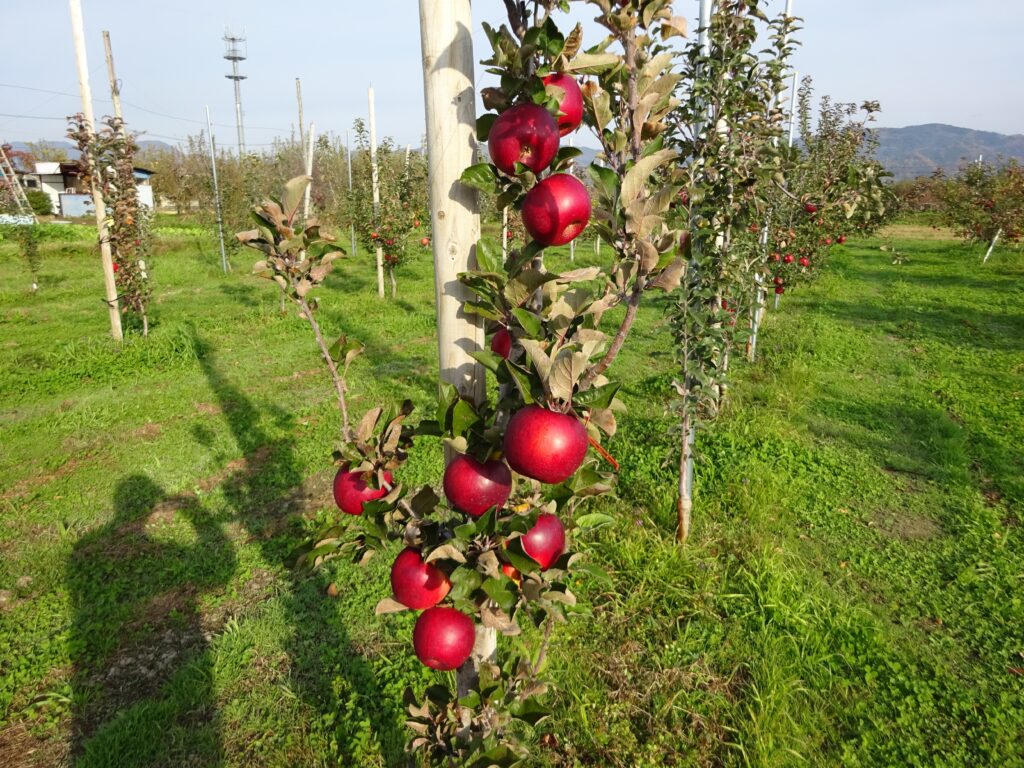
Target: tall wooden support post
{"x": 115, "y": 87}
{"x": 309, "y": 171}
{"x": 792, "y": 108}
{"x": 447, "y": 43}
{"x": 110, "y": 286}
{"x": 376, "y": 193}
{"x": 351, "y": 224}
{"x": 298, "y": 98}
{"x": 216, "y": 193}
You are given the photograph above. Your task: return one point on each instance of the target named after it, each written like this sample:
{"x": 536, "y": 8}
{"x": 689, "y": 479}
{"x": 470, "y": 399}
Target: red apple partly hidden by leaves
{"x": 775, "y": 256}
{"x": 351, "y": 490}
{"x": 810, "y": 208}
{"x": 473, "y": 488}
{"x": 416, "y": 223}
{"x": 828, "y": 241}
{"x": 501, "y": 343}
{"x": 788, "y": 258}
{"x": 570, "y": 105}
{"x": 525, "y": 133}
{"x": 780, "y": 289}
{"x": 416, "y": 584}
{"x": 841, "y": 239}
{"x": 777, "y": 280}
{"x": 684, "y": 197}
{"x": 804, "y": 261}
{"x": 556, "y": 210}
{"x": 116, "y": 266}
{"x": 425, "y": 241}
{"x": 512, "y": 572}
{"x": 684, "y": 240}
{"x": 374, "y": 235}
{"x": 545, "y": 445}
{"x": 545, "y": 542}
{"x": 443, "y": 638}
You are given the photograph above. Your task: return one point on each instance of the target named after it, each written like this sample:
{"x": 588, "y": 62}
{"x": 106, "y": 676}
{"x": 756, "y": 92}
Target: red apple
{"x": 501, "y": 342}
{"x": 810, "y": 208}
{"x": 374, "y": 235}
{"x": 525, "y": 133}
{"x": 788, "y": 258}
{"x": 512, "y": 572}
{"x": 780, "y": 289}
{"x": 775, "y": 256}
{"x": 570, "y": 103}
{"x": 351, "y": 490}
{"x": 425, "y": 241}
{"x": 842, "y": 239}
{"x": 443, "y": 638}
{"x": 545, "y": 445}
{"x": 545, "y": 542}
{"x": 804, "y": 261}
{"x": 416, "y": 584}
{"x": 473, "y": 488}
{"x": 556, "y": 210}
{"x": 828, "y": 241}
{"x": 777, "y": 280}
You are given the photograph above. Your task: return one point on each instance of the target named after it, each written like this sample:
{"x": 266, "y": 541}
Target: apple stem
{"x": 604, "y": 454}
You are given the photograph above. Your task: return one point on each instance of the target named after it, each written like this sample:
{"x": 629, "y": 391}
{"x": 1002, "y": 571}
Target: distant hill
{"x": 918, "y": 150}
{"x": 71, "y": 151}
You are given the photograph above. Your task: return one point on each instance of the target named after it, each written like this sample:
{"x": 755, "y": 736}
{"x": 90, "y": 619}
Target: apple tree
{"x": 985, "y": 203}
{"x": 112, "y": 152}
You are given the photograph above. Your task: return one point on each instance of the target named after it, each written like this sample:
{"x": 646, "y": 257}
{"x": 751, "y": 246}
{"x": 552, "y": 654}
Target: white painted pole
{"x": 450, "y": 100}
{"x": 376, "y": 193}
{"x": 309, "y": 171}
{"x": 107, "y": 261}
{"x": 298, "y": 97}
{"x": 504, "y": 232}
{"x": 216, "y": 193}
{"x": 992, "y": 245}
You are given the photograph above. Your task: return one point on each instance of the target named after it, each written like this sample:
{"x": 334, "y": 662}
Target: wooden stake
{"x": 449, "y": 95}
{"x": 106, "y": 259}
{"x": 309, "y": 172}
{"x": 302, "y": 135}
{"x": 115, "y": 88}
{"x": 216, "y": 193}
{"x": 348, "y": 161}
{"x": 376, "y": 193}
{"x": 992, "y": 245}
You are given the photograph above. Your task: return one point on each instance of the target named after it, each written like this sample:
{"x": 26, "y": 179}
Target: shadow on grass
{"x": 136, "y": 623}
{"x": 263, "y": 496}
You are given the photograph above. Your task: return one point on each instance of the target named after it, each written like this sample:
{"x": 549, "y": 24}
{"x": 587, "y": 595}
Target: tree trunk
{"x": 394, "y": 283}
{"x": 992, "y": 245}
{"x": 684, "y": 506}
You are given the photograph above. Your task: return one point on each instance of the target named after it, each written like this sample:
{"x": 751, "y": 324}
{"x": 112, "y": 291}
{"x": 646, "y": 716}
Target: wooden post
{"x": 309, "y": 172}
{"x": 115, "y": 88}
{"x": 792, "y": 108}
{"x": 348, "y": 161}
{"x": 448, "y": 88}
{"x": 216, "y": 193}
{"x": 504, "y": 232}
{"x": 298, "y": 97}
{"x": 992, "y": 245}
{"x": 376, "y": 193}
{"x": 106, "y": 259}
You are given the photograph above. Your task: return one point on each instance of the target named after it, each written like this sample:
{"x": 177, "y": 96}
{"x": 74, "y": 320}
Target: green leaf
{"x": 294, "y": 190}
{"x": 522, "y": 382}
{"x": 483, "y": 126}
{"x": 606, "y": 179}
{"x": 488, "y": 255}
{"x": 529, "y": 322}
{"x": 597, "y": 397}
{"x": 593, "y": 63}
{"x": 503, "y": 592}
{"x": 594, "y": 520}
{"x": 530, "y": 711}
{"x": 482, "y": 176}
{"x": 487, "y": 359}
{"x": 463, "y": 417}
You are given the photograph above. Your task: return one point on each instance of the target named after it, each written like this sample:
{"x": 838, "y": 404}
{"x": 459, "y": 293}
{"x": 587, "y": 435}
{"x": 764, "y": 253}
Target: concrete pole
{"x": 348, "y": 160}
{"x": 216, "y": 193}
{"x": 309, "y": 172}
{"x": 375, "y": 180}
{"x": 450, "y": 99}
{"x": 298, "y": 97}
{"x": 107, "y": 261}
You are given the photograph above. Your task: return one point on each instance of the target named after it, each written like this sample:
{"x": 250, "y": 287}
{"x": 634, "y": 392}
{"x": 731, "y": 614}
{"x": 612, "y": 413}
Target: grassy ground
{"x": 852, "y": 594}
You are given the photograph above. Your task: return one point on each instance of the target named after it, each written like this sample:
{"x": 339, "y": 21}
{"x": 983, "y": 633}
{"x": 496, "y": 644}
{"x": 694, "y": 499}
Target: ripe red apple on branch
{"x": 443, "y": 638}
{"x": 804, "y": 261}
{"x": 570, "y": 101}
{"x": 351, "y": 490}
{"x": 501, "y": 343}
{"x": 788, "y": 258}
{"x": 416, "y": 584}
{"x": 810, "y": 208}
{"x": 556, "y": 210}
{"x": 525, "y": 133}
{"x": 545, "y": 445}
{"x": 545, "y": 542}
{"x": 473, "y": 488}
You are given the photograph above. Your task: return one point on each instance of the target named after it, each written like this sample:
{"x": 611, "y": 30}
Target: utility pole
{"x": 235, "y": 51}
{"x": 106, "y": 259}
{"x": 216, "y": 193}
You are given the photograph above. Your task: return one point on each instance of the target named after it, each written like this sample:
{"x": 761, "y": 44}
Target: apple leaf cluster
{"x": 984, "y": 199}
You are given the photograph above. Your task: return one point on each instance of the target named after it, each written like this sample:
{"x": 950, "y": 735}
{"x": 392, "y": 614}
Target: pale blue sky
{"x": 924, "y": 60}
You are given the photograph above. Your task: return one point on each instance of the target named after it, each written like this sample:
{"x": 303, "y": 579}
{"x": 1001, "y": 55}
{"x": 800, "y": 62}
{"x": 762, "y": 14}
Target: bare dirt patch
{"x": 900, "y": 524}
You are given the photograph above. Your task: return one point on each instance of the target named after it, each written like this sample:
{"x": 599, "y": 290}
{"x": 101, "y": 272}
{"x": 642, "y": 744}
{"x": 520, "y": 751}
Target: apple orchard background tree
{"x": 112, "y": 152}
{"x": 494, "y": 552}
{"x": 984, "y": 203}
{"x": 402, "y": 220}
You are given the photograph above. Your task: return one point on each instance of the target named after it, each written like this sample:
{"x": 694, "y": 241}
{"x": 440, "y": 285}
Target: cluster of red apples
{"x": 538, "y": 444}
{"x": 788, "y": 258}
{"x": 557, "y": 208}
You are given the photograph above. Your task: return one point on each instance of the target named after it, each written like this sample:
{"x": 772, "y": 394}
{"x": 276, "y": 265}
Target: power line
{"x": 136, "y": 106}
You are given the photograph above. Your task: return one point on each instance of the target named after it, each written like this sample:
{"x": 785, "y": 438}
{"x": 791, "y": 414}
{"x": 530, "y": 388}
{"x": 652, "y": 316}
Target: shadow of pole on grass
{"x": 136, "y": 623}
{"x": 264, "y": 495}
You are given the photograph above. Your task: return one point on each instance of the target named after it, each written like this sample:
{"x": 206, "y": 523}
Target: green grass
{"x": 852, "y": 594}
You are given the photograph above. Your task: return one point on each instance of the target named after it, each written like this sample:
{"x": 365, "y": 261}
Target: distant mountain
{"x": 71, "y": 151}
{"x": 918, "y": 150}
